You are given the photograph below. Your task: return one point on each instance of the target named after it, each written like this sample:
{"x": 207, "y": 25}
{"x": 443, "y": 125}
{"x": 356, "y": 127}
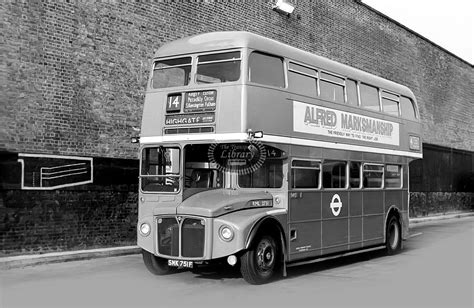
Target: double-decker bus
{"x": 264, "y": 156}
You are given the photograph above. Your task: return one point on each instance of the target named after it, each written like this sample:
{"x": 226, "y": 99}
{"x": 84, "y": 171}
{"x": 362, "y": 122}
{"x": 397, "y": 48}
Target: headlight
{"x": 226, "y": 233}
{"x": 145, "y": 229}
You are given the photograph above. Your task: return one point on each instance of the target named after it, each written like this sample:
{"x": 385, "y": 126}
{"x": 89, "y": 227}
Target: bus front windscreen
{"x": 160, "y": 169}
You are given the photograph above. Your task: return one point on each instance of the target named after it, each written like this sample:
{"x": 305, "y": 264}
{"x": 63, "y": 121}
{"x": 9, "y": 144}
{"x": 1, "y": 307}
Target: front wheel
{"x": 393, "y": 235}
{"x": 154, "y": 264}
{"x": 259, "y": 264}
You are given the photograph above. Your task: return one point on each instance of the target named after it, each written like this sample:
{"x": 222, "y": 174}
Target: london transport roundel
{"x": 336, "y": 205}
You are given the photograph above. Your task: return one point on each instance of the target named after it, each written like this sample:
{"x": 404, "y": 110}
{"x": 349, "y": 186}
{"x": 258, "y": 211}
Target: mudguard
{"x": 245, "y": 224}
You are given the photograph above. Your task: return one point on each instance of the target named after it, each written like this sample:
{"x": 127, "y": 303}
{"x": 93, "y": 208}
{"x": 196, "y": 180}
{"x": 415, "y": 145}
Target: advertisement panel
{"x": 317, "y": 120}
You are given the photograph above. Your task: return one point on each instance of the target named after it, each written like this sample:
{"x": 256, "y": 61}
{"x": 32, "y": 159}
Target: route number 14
{"x": 174, "y": 103}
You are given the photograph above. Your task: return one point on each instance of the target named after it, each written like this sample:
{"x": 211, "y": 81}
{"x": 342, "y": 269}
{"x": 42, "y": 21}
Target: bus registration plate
{"x": 180, "y": 263}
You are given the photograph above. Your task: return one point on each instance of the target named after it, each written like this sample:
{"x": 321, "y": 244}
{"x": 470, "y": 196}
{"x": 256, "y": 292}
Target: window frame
{"x": 194, "y": 71}
{"x": 392, "y": 99}
{"x": 382, "y": 179}
{"x": 357, "y": 93}
{"x": 361, "y": 101}
{"x": 413, "y": 106}
{"x": 318, "y": 161}
{"x": 296, "y": 71}
{"x": 283, "y": 67}
{"x": 178, "y": 176}
{"x": 401, "y": 176}
{"x": 191, "y": 71}
{"x": 345, "y": 187}
{"x": 360, "y": 175}
{"x": 266, "y": 188}
{"x": 343, "y": 84}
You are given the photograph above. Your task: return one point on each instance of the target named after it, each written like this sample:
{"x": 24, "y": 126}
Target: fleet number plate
{"x": 180, "y": 263}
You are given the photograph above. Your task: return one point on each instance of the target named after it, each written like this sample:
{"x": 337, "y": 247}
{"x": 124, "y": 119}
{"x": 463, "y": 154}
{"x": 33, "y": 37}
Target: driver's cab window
{"x": 199, "y": 171}
{"x": 160, "y": 169}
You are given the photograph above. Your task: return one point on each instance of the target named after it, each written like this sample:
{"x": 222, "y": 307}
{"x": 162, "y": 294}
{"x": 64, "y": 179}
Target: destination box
{"x": 200, "y": 101}
{"x": 189, "y": 119}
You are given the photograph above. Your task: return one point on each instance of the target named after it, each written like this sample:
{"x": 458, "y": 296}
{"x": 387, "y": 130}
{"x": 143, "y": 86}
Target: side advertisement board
{"x": 317, "y": 120}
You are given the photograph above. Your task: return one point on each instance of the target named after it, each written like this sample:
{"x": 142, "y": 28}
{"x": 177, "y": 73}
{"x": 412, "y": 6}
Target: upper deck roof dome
{"x": 215, "y": 41}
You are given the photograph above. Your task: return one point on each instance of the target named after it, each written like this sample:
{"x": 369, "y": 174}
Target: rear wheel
{"x": 259, "y": 264}
{"x": 393, "y": 236}
{"x": 154, "y": 264}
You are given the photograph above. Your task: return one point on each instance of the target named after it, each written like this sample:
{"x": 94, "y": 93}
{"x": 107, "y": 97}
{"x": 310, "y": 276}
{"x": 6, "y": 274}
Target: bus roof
{"x": 224, "y": 40}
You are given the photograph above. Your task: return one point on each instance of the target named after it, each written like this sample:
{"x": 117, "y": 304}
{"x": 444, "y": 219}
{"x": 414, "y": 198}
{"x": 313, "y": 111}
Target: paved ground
{"x": 434, "y": 270}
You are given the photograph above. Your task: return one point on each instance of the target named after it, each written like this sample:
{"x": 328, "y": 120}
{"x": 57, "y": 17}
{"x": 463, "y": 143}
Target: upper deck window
{"x": 171, "y": 73}
{"x": 390, "y": 103}
{"x": 266, "y": 69}
{"x": 302, "y": 80}
{"x": 351, "y": 88}
{"x": 408, "y": 108}
{"x": 332, "y": 87}
{"x": 369, "y": 97}
{"x": 219, "y": 67}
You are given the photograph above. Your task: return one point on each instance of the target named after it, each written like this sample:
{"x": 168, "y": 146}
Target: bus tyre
{"x": 393, "y": 236}
{"x": 258, "y": 264}
{"x": 154, "y": 264}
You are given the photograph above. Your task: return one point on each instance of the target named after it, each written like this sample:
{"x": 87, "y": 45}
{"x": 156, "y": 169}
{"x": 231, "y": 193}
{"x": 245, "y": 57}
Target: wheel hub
{"x": 265, "y": 256}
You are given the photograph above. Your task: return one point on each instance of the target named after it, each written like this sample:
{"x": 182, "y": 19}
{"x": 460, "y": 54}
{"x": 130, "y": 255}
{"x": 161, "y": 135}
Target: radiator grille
{"x": 168, "y": 236}
{"x": 193, "y": 238}
{"x": 192, "y": 232}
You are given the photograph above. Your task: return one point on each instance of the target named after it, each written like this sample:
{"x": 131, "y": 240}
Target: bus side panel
{"x": 304, "y": 224}
{"x": 355, "y": 219}
{"x": 394, "y": 198}
{"x": 269, "y": 111}
{"x": 374, "y": 218}
{"x": 307, "y": 242}
{"x": 306, "y": 206}
{"x": 229, "y": 110}
{"x": 335, "y": 228}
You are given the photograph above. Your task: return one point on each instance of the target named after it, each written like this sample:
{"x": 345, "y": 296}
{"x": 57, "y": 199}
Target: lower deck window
{"x": 269, "y": 175}
{"x": 393, "y": 176}
{"x": 354, "y": 175}
{"x": 373, "y": 176}
{"x": 305, "y": 174}
{"x": 334, "y": 174}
